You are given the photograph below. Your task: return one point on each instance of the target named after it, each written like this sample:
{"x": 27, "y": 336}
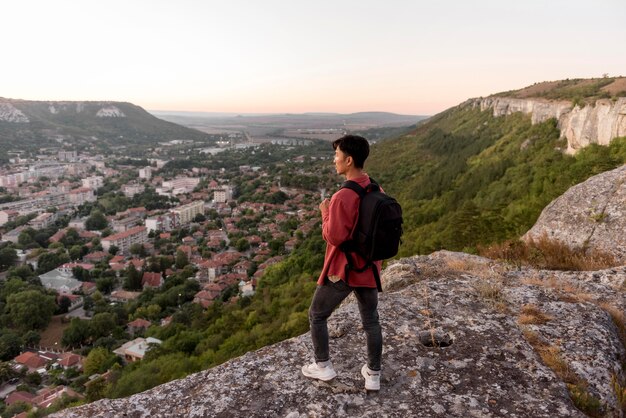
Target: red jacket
{"x": 337, "y": 227}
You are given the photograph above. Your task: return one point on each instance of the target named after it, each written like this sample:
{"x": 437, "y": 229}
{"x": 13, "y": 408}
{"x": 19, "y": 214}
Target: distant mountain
{"x": 26, "y": 124}
{"x": 291, "y": 120}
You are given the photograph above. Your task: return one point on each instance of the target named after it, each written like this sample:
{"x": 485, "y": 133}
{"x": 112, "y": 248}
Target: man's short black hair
{"x": 355, "y": 146}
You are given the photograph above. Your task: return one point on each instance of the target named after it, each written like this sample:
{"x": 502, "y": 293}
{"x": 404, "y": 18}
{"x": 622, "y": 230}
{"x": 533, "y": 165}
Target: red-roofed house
{"x": 96, "y": 256}
{"x": 67, "y": 360}
{"x": 150, "y": 279}
{"x": 46, "y": 396}
{"x": 137, "y": 325}
{"x": 33, "y": 361}
{"x": 205, "y": 297}
{"x": 19, "y": 396}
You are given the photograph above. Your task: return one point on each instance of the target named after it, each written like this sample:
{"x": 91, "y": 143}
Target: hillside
{"x": 579, "y": 90}
{"x": 28, "y": 125}
{"x": 466, "y": 177}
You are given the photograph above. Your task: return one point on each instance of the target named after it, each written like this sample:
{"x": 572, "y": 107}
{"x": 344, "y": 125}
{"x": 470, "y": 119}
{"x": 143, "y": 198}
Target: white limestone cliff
{"x": 592, "y": 124}
{"x": 9, "y": 113}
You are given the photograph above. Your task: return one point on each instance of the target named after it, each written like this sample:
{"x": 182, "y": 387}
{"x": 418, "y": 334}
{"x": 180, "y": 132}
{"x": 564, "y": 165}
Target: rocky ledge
{"x": 464, "y": 336}
{"x": 590, "y": 215}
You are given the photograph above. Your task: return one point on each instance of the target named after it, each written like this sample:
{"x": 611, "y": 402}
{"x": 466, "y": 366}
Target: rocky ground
{"x": 464, "y": 336}
{"x": 589, "y": 215}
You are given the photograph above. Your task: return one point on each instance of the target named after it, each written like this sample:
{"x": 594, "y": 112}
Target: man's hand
{"x": 324, "y": 206}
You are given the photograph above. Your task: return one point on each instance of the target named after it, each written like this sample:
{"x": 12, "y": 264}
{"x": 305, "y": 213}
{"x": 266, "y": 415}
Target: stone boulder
{"x": 589, "y": 215}
{"x": 458, "y": 343}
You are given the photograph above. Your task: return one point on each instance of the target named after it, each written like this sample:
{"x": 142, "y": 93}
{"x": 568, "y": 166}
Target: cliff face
{"x": 493, "y": 363}
{"x": 598, "y": 124}
{"x": 591, "y": 214}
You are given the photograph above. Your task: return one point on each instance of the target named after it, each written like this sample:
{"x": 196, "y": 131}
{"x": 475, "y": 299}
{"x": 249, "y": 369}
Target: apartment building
{"x": 124, "y": 240}
{"x": 165, "y": 222}
{"x": 94, "y": 182}
{"x": 187, "y": 212}
{"x": 81, "y": 195}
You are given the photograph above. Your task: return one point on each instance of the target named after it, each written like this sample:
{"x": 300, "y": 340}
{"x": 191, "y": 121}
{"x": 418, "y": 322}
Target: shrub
{"x": 545, "y": 253}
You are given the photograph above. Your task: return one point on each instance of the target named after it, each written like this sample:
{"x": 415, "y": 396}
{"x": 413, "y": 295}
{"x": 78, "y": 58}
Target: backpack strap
{"x": 356, "y": 187}
{"x": 347, "y": 246}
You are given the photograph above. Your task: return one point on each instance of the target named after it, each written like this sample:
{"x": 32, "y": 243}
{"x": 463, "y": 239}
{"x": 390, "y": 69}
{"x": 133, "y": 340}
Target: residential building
{"x": 43, "y": 220}
{"x": 145, "y": 173}
{"x": 154, "y": 280}
{"x": 180, "y": 185}
{"x": 124, "y": 240}
{"x": 81, "y": 195}
{"x": 164, "y": 222}
{"x": 136, "y": 349}
{"x": 94, "y": 182}
{"x": 186, "y": 213}
{"x": 67, "y": 155}
{"x": 131, "y": 190}
{"x": 8, "y": 216}
{"x": 138, "y": 325}
{"x": 61, "y": 281}
{"x": 124, "y": 224}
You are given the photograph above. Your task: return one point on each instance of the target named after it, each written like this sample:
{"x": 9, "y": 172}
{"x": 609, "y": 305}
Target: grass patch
{"x": 577, "y": 387}
{"x": 547, "y": 254}
{"x": 531, "y": 314}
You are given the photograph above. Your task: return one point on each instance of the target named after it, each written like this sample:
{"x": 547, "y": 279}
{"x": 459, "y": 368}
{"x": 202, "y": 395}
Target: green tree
{"x": 50, "y": 261}
{"x": 25, "y": 273}
{"x": 242, "y": 244}
{"x": 76, "y": 334}
{"x": 99, "y": 360}
{"x": 30, "y": 309}
{"x": 75, "y": 252}
{"x": 64, "y": 304}
{"x": 96, "y": 221}
{"x": 102, "y": 324}
{"x": 133, "y": 278}
{"x": 138, "y": 250}
{"x": 10, "y": 345}
{"x": 181, "y": 259}
{"x": 8, "y": 257}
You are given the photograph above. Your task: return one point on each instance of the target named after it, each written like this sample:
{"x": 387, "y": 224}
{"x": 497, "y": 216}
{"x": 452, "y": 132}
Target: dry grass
{"x": 531, "y": 314}
{"x": 548, "y": 254}
{"x": 568, "y": 291}
{"x": 620, "y": 392}
{"x": 551, "y": 357}
{"x": 619, "y": 319}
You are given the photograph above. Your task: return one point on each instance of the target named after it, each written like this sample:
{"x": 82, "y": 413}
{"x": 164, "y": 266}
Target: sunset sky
{"x": 402, "y": 56}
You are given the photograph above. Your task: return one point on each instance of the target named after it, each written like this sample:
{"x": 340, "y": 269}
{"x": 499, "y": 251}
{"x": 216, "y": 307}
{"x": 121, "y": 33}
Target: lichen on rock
{"x": 490, "y": 369}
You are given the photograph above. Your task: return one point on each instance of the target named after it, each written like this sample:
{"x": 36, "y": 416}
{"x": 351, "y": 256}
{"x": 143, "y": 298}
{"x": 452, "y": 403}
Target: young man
{"x": 339, "y": 217}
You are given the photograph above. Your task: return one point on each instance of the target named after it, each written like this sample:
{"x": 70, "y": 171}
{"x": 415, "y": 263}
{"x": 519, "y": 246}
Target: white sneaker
{"x": 372, "y": 378}
{"x": 320, "y": 371}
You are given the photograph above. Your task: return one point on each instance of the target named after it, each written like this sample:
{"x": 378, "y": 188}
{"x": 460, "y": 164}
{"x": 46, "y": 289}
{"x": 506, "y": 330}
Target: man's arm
{"x": 338, "y": 217}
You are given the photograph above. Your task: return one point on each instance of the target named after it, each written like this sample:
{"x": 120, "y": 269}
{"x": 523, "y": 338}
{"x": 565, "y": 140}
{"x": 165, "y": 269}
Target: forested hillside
{"x": 465, "y": 178}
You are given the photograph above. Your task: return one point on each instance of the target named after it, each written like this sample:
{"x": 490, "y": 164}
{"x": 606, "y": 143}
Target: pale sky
{"x": 402, "y": 56}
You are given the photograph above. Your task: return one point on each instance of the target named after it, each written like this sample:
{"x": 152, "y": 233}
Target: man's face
{"x": 342, "y": 161}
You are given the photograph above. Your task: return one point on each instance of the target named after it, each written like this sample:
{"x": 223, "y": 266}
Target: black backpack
{"x": 378, "y": 230}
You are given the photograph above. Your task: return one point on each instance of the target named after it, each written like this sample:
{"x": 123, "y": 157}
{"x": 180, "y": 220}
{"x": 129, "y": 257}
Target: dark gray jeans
{"x": 326, "y": 298}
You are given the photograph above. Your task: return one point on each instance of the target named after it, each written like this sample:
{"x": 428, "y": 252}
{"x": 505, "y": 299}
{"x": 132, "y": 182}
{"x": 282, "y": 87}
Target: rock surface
{"x": 591, "y": 214}
{"x": 491, "y": 369}
{"x": 591, "y": 124}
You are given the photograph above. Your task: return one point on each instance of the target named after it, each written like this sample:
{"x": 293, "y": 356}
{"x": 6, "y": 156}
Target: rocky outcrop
{"x": 589, "y": 215}
{"x": 9, "y": 113}
{"x": 110, "y": 112}
{"x": 488, "y": 360}
{"x": 592, "y": 124}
